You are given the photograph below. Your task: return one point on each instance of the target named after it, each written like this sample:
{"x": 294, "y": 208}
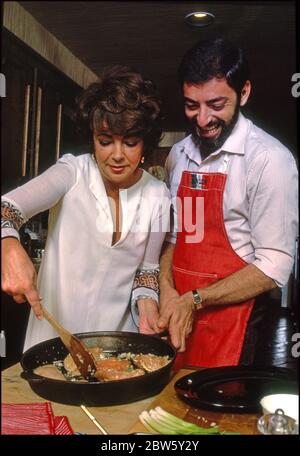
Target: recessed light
{"x": 197, "y": 15}
{"x": 199, "y": 19}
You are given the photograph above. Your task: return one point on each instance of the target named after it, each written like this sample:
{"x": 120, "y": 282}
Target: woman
{"x": 107, "y": 219}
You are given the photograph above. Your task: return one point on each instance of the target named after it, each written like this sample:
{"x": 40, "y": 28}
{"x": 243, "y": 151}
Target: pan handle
{"x": 31, "y": 377}
{"x": 161, "y": 334}
{"x": 164, "y": 335}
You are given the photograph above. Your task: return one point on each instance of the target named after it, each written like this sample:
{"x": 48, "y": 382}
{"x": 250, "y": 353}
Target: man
{"x": 241, "y": 184}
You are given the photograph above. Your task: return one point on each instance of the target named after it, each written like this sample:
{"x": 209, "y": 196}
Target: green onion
{"x": 159, "y": 421}
{"x": 153, "y": 426}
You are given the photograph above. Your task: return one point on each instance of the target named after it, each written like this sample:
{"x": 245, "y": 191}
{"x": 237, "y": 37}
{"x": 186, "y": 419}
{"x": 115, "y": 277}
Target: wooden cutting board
{"x": 169, "y": 401}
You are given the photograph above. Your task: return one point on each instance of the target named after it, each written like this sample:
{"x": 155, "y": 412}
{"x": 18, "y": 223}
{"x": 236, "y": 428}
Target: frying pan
{"x": 95, "y": 393}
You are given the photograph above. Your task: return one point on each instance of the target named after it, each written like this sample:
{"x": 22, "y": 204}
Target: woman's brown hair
{"x": 126, "y": 102}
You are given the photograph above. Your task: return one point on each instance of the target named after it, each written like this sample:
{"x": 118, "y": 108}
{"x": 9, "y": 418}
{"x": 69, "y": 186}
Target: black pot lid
{"x": 234, "y": 388}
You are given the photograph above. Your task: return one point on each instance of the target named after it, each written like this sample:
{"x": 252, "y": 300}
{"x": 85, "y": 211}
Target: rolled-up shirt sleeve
{"x": 273, "y": 203}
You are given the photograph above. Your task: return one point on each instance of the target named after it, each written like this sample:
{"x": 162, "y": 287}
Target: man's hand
{"x": 18, "y": 275}
{"x": 176, "y": 311}
{"x": 177, "y": 315}
{"x": 148, "y": 316}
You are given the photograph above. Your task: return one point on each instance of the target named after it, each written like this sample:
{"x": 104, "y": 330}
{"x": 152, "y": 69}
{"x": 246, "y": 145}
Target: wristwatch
{"x": 197, "y": 300}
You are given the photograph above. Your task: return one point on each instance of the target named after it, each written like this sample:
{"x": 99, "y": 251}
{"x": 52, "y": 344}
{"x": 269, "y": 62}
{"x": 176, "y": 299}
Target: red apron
{"x": 218, "y": 331}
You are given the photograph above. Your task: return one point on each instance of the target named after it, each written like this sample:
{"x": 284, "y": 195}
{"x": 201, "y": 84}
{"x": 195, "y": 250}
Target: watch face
{"x": 197, "y": 297}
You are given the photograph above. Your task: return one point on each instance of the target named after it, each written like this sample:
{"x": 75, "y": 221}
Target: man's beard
{"x": 209, "y": 145}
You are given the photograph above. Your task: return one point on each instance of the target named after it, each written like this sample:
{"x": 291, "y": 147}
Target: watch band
{"x": 197, "y": 300}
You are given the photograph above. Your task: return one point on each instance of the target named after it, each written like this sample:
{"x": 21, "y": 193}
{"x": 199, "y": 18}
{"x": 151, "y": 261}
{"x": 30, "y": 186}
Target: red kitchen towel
{"x": 62, "y": 426}
{"x": 33, "y": 419}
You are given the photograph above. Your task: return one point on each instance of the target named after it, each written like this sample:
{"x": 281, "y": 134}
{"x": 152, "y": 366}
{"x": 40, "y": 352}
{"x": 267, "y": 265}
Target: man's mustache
{"x": 215, "y": 123}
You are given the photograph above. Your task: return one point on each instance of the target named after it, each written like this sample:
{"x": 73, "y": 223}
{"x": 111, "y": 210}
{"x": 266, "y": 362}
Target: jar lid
{"x": 276, "y": 423}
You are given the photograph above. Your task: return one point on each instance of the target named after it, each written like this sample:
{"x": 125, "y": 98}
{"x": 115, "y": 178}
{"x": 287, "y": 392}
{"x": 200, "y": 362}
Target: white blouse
{"x": 84, "y": 280}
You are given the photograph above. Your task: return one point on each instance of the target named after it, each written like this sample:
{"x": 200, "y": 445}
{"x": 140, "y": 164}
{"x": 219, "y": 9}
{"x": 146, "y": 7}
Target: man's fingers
{"x": 178, "y": 335}
{"x": 35, "y": 301}
{"x": 181, "y": 342}
{"x": 174, "y": 336}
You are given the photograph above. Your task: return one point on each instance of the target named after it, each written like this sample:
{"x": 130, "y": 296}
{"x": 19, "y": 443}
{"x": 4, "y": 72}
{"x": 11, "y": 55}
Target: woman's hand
{"x": 177, "y": 315}
{"x": 148, "y": 316}
{"x": 18, "y": 275}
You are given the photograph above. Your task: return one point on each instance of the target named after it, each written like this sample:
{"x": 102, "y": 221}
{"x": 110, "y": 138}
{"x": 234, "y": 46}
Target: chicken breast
{"x": 119, "y": 368}
{"x": 110, "y": 374}
{"x": 49, "y": 371}
{"x": 150, "y": 362}
{"x": 114, "y": 369}
{"x": 114, "y": 363}
{"x": 70, "y": 365}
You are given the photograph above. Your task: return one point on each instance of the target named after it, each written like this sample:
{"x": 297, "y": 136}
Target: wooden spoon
{"x": 82, "y": 358}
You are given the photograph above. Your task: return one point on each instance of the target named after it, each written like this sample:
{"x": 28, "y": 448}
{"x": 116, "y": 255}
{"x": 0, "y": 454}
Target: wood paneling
{"x": 24, "y": 26}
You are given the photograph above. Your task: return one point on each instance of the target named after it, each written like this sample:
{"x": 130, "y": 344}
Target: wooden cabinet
{"x": 16, "y": 110}
{"x": 37, "y": 114}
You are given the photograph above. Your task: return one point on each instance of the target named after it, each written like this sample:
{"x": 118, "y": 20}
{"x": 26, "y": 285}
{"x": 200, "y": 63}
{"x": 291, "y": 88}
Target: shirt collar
{"x": 235, "y": 144}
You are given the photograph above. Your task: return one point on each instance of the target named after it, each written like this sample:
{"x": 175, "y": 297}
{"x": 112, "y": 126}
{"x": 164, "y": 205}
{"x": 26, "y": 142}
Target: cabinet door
{"x": 47, "y": 122}
{"x": 16, "y": 119}
{"x": 55, "y": 128}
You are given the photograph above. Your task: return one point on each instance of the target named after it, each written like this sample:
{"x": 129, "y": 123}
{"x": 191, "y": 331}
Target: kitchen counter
{"x": 242, "y": 423}
{"x": 116, "y": 419}
{"x": 123, "y": 419}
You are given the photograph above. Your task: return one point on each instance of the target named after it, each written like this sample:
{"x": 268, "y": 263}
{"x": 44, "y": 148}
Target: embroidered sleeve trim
{"x": 11, "y": 217}
{"x": 146, "y": 279}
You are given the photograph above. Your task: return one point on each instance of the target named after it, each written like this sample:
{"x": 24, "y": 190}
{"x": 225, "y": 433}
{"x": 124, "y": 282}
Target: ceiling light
{"x": 199, "y": 19}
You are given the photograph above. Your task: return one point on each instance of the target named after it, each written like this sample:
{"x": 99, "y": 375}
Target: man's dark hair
{"x": 218, "y": 58}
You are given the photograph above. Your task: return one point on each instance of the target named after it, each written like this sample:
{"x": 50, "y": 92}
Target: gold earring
{"x": 142, "y": 159}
